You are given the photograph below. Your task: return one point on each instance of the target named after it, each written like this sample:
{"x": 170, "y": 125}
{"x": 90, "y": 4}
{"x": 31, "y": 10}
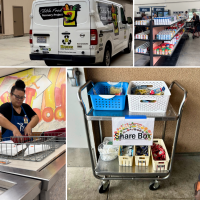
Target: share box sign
{"x": 132, "y": 131}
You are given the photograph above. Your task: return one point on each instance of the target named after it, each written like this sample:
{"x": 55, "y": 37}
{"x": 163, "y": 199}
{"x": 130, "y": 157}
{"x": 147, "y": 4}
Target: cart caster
{"x": 104, "y": 186}
{"x": 154, "y": 185}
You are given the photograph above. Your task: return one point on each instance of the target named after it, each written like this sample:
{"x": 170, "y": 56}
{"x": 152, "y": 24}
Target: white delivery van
{"x": 89, "y": 31}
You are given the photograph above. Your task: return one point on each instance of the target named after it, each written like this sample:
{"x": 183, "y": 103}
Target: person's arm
{"x": 4, "y": 122}
{"x": 34, "y": 121}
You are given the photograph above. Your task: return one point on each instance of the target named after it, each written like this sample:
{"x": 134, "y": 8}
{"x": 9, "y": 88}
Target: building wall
{"x": 173, "y": 5}
{"x": 8, "y": 14}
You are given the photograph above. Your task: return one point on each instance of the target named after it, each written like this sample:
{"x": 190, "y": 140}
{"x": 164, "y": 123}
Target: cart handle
{"x": 80, "y": 96}
{"x": 184, "y": 97}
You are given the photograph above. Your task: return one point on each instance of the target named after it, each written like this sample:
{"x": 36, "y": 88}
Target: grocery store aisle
{"x": 189, "y": 55}
{"x": 82, "y": 185}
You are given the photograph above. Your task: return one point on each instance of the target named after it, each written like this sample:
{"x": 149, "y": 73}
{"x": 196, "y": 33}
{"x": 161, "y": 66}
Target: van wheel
{"x": 50, "y": 63}
{"x": 107, "y": 56}
{"x": 129, "y": 48}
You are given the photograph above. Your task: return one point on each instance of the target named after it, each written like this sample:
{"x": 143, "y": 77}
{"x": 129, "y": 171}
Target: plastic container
{"x": 108, "y": 152}
{"x": 142, "y": 160}
{"x": 125, "y": 160}
{"x": 161, "y": 101}
{"x": 102, "y": 100}
{"x": 159, "y": 165}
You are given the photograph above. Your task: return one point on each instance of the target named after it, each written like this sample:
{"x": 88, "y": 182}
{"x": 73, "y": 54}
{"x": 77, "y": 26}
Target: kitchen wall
{"x": 189, "y": 139}
{"x": 176, "y": 5}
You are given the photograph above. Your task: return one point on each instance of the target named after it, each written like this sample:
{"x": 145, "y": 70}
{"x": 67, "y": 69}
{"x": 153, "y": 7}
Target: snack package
{"x": 158, "y": 152}
{"x": 142, "y": 150}
{"x": 116, "y": 90}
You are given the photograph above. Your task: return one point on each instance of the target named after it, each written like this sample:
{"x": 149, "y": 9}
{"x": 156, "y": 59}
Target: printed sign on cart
{"x": 132, "y": 131}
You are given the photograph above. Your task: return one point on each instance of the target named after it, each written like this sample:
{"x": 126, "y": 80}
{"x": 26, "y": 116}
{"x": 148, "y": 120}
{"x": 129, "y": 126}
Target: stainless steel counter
{"x": 48, "y": 175}
{"x": 15, "y": 187}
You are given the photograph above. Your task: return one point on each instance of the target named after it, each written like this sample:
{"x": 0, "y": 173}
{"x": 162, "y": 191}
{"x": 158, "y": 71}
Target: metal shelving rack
{"x": 152, "y": 40}
{"x": 107, "y": 171}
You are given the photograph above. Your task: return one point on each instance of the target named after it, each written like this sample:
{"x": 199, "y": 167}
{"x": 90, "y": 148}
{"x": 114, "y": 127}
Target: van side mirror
{"x": 129, "y": 19}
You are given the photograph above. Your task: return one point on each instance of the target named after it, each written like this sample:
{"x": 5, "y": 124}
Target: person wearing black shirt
{"x": 196, "y": 22}
{"x": 17, "y": 118}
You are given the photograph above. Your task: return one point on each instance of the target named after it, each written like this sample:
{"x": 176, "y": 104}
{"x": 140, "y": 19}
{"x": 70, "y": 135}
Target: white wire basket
{"x": 160, "y": 103}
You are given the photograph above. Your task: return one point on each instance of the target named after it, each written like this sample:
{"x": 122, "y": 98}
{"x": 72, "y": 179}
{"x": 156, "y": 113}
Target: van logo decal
{"x": 68, "y": 13}
{"x": 66, "y": 42}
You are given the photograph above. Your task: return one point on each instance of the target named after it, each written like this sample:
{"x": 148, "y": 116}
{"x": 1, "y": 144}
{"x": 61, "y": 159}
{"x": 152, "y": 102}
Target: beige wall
{"x": 188, "y": 140}
{"x": 8, "y": 14}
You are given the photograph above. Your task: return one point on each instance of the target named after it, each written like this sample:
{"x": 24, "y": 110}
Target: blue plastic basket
{"x": 108, "y": 102}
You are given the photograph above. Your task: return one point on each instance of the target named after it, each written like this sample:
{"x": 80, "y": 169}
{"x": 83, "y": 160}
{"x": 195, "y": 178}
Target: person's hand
{"x": 28, "y": 130}
{"x": 16, "y": 133}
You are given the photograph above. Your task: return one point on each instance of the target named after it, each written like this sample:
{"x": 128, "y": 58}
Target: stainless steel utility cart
{"x": 111, "y": 170}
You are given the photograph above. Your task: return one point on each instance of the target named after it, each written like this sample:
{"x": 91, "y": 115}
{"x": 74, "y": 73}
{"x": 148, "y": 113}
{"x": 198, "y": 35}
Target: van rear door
{"x": 74, "y": 28}
{"x": 45, "y": 26}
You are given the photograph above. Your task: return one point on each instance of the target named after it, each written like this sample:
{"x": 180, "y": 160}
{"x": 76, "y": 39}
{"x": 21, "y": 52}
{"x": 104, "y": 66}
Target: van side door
{"x": 123, "y": 29}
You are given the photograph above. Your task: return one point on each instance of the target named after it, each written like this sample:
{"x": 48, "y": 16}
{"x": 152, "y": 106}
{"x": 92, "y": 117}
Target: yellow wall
{"x": 189, "y": 139}
{"x": 8, "y": 14}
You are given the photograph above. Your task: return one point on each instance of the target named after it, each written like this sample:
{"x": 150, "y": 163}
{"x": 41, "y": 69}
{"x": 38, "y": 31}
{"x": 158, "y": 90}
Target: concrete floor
{"x": 189, "y": 55}
{"x": 15, "y": 52}
{"x": 82, "y": 185}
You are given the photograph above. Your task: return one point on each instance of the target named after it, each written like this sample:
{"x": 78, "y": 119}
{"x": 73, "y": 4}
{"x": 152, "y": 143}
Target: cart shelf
{"x": 112, "y": 168}
{"x": 97, "y": 115}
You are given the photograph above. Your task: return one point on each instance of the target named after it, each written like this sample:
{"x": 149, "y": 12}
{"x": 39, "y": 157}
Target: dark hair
{"x": 186, "y": 11}
{"x": 143, "y": 14}
{"x": 19, "y": 85}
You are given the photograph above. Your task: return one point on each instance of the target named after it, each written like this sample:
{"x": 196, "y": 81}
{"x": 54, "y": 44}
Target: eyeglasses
{"x": 18, "y": 97}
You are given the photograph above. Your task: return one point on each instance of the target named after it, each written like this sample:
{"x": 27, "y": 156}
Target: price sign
{"x": 158, "y": 9}
{"x": 132, "y": 131}
{"x": 144, "y": 9}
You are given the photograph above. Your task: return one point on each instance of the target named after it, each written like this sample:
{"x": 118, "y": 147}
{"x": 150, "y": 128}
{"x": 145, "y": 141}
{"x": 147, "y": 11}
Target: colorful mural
{"x": 45, "y": 93}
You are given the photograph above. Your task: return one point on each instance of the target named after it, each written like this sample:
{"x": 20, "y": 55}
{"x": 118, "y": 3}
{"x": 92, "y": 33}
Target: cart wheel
{"x": 154, "y": 185}
{"x": 104, "y": 186}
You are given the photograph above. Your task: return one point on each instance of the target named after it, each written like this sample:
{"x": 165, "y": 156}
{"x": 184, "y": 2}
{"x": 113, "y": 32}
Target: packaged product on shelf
{"x": 126, "y": 150}
{"x": 144, "y": 90}
{"x": 143, "y": 35}
{"x": 141, "y": 151}
{"x": 143, "y": 48}
{"x": 116, "y": 90}
{"x": 158, "y": 152}
{"x": 142, "y": 22}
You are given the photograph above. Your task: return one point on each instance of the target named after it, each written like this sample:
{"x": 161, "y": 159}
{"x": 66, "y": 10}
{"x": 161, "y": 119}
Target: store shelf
{"x": 107, "y": 115}
{"x": 172, "y": 37}
{"x": 112, "y": 168}
{"x": 144, "y": 54}
{"x": 142, "y": 40}
{"x": 169, "y": 24}
{"x": 142, "y": 25}
{"x": 172, "y": 51}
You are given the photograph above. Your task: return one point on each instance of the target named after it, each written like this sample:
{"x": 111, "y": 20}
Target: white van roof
{"x": 103, "y": 1}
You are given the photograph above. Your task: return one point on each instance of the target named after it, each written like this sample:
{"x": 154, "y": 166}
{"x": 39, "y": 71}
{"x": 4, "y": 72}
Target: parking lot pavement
{"x": 15, "y": 52}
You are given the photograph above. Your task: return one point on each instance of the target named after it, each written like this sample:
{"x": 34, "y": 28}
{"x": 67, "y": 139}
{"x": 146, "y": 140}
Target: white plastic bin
{"x": 159, "y": 165}
{"x": 125, "y": 160}
{"x": 134, "y": 101}
{"x": 142, "y": 160}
